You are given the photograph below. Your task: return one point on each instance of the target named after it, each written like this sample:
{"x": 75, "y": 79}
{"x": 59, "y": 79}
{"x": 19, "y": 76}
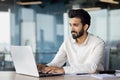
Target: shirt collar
{"x": 84, "y": 43}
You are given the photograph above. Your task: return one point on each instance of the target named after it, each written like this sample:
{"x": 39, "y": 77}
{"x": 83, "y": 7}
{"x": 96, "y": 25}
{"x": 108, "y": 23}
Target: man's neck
{"x": 82, "y": 38}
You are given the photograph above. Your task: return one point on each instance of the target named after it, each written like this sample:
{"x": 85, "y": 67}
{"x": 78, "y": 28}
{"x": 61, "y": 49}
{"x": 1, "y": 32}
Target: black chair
{"x": 2, "y": 60}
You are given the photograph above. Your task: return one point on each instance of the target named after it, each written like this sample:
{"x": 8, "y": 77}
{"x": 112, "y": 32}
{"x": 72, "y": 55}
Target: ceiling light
{"x": 90, "y": 9}
{"x": 29, "y": 3}
{"x": 2, "y": 0}
{"x": 110, "y": 1}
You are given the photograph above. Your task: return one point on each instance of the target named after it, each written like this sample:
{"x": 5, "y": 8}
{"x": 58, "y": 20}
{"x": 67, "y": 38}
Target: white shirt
{"x": 84, "y": 58}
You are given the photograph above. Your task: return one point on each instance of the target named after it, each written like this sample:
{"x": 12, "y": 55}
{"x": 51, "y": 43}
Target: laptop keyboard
{"x": 49, "y": 74}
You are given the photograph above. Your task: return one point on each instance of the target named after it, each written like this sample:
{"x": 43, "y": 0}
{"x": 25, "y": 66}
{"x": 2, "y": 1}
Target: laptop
{"x": 24, "y": 62}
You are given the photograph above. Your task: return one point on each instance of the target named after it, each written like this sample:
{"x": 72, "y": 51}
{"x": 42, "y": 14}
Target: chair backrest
{"x": 106, "y": 57}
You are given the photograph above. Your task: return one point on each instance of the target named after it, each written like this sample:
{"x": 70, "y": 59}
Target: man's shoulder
{"x": 96, "y": 38}
{"x": 69, "y": 40}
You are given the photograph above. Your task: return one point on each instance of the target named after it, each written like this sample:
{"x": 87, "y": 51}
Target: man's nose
{"x": 72, "y": 28}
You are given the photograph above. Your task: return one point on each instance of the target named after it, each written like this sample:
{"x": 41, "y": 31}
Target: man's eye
{"x": 75, "y": 24}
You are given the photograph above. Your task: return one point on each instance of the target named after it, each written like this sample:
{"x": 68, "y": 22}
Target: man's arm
{"x": 60, "y": 58}
{"x": 89, "y": 66}
{"x": 55, "y": 66}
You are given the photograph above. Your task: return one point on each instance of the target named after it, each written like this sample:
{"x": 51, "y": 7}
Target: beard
{"x": 77, "y": 35}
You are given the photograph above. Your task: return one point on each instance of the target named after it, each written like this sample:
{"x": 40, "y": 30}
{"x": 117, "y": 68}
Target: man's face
{"x": 77, "y": 28}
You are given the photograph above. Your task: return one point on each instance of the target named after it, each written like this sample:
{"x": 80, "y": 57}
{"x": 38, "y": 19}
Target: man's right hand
{"x": 50, "y": 69}
{"x": 41, "y": 67}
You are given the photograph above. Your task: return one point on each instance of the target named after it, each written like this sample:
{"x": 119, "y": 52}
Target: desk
{"x": 7, "y": 75}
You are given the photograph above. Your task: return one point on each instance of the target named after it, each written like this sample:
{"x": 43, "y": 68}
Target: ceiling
{"x": 5, "y": 4}
{"x": 68, "y": 3}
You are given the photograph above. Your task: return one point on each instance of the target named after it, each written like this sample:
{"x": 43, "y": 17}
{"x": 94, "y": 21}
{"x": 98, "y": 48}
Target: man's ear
{"x": 85, "y": 27}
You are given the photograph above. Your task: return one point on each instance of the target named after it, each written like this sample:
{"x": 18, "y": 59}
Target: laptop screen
{"x": 24, "y": 61}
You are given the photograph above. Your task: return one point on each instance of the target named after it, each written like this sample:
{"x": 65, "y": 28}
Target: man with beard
{"x": 83, "y": 52}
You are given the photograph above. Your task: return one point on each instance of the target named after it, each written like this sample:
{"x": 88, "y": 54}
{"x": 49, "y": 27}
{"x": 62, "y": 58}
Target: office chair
{"x": 2, "y": 60}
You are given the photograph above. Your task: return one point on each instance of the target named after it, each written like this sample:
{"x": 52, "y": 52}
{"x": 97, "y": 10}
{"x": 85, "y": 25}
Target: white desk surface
{"x": 10, "y": 75}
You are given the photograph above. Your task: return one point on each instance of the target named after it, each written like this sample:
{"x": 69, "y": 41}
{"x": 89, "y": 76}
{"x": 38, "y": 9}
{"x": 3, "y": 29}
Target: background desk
{"x": 13, "y": 76}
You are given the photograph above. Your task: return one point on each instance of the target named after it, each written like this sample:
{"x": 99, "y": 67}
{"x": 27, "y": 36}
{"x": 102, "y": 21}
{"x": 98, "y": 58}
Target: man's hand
{"x": 54, "y": 69}
{"x": 41, "y": 67}
{"x": 50, "y": 69}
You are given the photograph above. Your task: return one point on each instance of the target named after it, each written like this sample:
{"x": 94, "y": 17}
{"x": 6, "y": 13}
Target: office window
{"x": 114, "y": 25}
{"x": 115, "y": 39}
{"x": 5, "y": 28}
{"x": 48, "y": 21}
{"x": 49, "y": 36}
{"x": 5, "y": 38}
{"x": 99, "y": 24}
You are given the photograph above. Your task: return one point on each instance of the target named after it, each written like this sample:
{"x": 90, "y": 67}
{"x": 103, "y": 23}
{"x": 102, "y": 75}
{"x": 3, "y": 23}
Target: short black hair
{"x": 80, "y": 13}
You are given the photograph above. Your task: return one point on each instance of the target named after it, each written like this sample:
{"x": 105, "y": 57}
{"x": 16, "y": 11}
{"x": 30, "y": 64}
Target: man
{"x": 84, "y": 52}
